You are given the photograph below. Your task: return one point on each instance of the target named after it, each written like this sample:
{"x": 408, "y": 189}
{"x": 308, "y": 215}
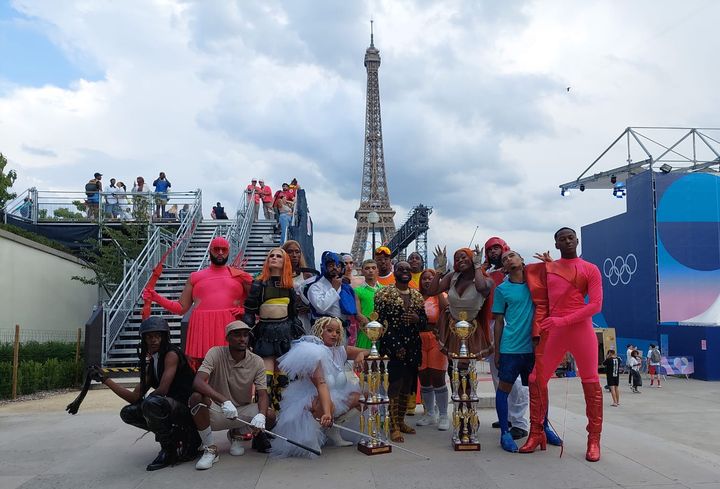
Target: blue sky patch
{"x": 29, "y": 58}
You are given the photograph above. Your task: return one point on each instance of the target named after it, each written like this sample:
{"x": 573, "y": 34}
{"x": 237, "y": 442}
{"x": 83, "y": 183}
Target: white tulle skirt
{"x": 295, "y": 419}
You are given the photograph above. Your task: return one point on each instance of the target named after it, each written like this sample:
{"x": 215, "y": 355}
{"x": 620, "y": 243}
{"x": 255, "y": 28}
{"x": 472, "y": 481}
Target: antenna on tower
{"x": 371, "y": 33}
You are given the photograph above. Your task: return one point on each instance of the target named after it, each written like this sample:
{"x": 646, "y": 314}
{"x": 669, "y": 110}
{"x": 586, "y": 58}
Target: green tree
{"x": 106, "y": 259}
{"x": 6, "y": 182}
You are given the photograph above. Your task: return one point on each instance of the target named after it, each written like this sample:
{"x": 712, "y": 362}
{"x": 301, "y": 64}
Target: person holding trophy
{"x": 469, "y": 291}
{"x": 402, "y": 311}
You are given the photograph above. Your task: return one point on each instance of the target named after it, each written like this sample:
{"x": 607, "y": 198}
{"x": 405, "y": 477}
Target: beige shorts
{"x": 219, "y": 422}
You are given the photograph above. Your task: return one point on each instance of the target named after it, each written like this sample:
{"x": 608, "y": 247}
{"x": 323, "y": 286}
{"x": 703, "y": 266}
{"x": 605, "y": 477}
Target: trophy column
{"x": 374, "y": 401}
{"x": 465, "y": 418}
{"x": 464, "y": 385}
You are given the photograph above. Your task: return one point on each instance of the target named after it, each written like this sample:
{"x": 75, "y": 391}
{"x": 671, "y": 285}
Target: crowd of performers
{"x": 273, "y": 352}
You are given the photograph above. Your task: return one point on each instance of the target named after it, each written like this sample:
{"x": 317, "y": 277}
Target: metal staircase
{"x": 252, "y": 240}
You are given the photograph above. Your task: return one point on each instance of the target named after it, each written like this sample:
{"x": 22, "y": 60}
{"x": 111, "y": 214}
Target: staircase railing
{"x": 238, "y": 232}
{"x": 122, "y": 303}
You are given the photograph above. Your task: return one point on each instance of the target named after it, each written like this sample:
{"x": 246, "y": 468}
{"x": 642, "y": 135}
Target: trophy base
{"x": 459, "y": 446}
{"x": 378, "y": 450}
{"x": 456, "y": 398}
{"x": 456, "y": 356}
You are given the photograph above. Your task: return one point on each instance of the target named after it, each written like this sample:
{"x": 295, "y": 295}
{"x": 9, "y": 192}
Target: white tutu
{"x": 295, "y": 420}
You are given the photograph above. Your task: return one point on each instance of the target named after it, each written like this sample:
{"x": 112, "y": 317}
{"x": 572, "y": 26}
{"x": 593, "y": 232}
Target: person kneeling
{"x": 222, "y": 397}
{"x": 323, "y": 391}
{"x": 164, "y": 412}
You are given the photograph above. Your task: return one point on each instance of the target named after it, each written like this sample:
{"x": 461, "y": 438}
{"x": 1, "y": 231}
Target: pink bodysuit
{"x": 568, "y": 282}
{"x": 218, "y": 296}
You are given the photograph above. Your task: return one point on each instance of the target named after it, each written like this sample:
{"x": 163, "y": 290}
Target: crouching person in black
{"x": 164, "y": 412}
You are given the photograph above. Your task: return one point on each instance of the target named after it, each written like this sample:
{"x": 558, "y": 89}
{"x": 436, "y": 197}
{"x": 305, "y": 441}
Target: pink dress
{"x": 217, "y": 294}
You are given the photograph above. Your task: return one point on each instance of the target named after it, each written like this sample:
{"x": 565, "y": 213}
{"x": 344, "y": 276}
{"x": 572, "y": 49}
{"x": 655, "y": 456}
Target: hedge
{"x": 34, "y": 350}
{"x": 37, "y": 376}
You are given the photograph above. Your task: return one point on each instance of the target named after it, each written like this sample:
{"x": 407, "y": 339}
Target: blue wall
{"x": 686, "y": 340}
{"x": 623, "y": 248}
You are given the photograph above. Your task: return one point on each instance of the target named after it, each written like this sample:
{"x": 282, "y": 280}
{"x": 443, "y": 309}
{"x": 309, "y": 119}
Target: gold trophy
{"x": 463, "y": 329}
{"x": 375, "y": 401}
{"x": 464, "y": 384}
{"x": 374, "y": 331}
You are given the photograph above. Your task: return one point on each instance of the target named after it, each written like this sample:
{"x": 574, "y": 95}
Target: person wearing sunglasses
{"x": 383, "y": 258}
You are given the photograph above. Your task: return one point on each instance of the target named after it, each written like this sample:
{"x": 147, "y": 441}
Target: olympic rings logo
{"x": 621, "y": 269}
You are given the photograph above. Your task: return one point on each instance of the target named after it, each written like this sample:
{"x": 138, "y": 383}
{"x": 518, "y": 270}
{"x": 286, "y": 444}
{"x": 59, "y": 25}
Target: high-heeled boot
{"x": 404, "y": 401}
{"x": 538, "y": 407}
{"x": 594, "y": 412}
{"x": 394, "y": 408}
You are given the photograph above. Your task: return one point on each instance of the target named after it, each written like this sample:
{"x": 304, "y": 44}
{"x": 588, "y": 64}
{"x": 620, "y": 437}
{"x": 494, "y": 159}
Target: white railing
{"x": 238, "y": 232}
{"x": 123, "y": 301}
{"x": 47, "y": 206}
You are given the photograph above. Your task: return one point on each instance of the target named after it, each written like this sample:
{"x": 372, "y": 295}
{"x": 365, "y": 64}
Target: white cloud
{"x": 477, "y": 121}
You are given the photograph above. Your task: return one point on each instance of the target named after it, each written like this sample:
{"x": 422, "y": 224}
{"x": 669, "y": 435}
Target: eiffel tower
{"x": 374, "y": 191}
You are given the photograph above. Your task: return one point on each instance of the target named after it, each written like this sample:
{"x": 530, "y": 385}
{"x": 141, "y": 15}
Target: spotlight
{"x": 613, "y": 179}
{"x": 564, "y": 192}
{"x": 665, "y": 168}
{"x": 582, "y": 187}
{"x": 619, "y": 191}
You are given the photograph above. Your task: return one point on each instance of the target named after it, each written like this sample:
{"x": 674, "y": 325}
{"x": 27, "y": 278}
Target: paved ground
{"x": 663, "y": 438}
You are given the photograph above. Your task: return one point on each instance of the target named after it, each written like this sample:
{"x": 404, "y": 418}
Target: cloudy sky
{"x": 477, "y": 118}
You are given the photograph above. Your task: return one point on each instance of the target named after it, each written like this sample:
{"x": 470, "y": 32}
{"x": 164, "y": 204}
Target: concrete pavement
{"x": 663, "y": 438}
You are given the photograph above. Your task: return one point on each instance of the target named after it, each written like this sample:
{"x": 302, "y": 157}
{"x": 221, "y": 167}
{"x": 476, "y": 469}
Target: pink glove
{"x": 552, "y": 322}
{"x": 237, "y": 311}
{"x": 172, "y": 306}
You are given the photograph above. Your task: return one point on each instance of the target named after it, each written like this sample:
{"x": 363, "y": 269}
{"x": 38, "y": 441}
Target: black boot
{"x": 166, "y": 457}
{"x": 261, "y": 443}
{"x": 191, "y": 444}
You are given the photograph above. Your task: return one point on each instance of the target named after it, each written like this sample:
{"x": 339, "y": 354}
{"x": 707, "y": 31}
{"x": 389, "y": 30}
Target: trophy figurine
{"x": 455, "y": 382}
{"x": 375, "y": 422}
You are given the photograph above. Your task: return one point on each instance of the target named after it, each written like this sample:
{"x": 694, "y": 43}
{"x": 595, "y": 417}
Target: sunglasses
{"x": 383, "y": 250}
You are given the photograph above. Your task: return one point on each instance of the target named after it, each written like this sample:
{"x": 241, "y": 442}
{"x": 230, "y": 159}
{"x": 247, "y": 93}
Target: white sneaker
{"x": 444, "y": 423}
{"x": 333, "y": 435}
{"x": 209, "y": 457}
{"x": 236, "y": 447}
{"x": 426, "y": 420}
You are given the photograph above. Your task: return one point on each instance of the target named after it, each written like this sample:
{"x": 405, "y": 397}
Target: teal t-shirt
{"x": 514, "y": 301}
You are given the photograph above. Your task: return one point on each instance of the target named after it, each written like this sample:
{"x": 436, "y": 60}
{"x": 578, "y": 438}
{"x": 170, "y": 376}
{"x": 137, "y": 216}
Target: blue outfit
{"x": 514, "y": 302}
{"x": 161, "y": 188}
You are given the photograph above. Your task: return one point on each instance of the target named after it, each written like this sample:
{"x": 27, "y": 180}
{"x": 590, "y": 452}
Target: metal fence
{"x": 34, "y": 360}
{"x": 46, "y": 206}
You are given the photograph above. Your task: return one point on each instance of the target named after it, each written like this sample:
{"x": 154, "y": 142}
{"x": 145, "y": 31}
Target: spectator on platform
{"x": 161, "y": 185}
{"x": 184, "y": 211}
{"x": 285, "y": 211}
{"x": 172, "y": 212}
{"x": 111, "y": 200}
{"x": 266, "y": 197}
{"x": 218, "y": 212}
{"x": 123, "y": 202}
{"x": 253, "y": 192}
{"x": 141, "y": 199}
{"x": 292, "y": 190}
{"x": 92, "y": 191}
{"x": 25, "y": 209}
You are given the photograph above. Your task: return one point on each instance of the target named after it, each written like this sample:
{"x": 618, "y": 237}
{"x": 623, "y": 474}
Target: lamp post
{"x": 373, "y": 218}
